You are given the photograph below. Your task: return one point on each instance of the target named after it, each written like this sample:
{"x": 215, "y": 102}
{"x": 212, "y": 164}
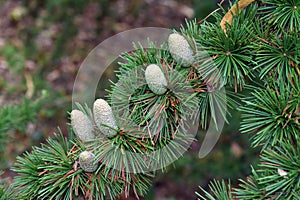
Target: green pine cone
{"x": 104, "y": 118}
{"x": 180, "y": 49}
{"x": 86, "y": 161}
{"x": 82, "y": 126}
{"x": 155, "y": 79}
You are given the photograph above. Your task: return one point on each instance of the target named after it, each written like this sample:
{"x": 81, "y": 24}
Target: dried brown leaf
{"x": 234, "y": 10}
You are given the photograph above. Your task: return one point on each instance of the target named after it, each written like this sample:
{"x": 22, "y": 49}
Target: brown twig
{"x": 216, "y": 10}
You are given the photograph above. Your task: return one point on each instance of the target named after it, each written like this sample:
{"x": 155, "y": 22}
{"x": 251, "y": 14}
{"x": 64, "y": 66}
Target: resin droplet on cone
{"x": 156, "y": 79}
{"x": 180, "y": 49}
{"x": 86, "y": 161}
{"x": 82, "y": 126}
{"x": 104, "y": 118}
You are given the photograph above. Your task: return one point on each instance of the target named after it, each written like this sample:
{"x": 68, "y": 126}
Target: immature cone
{"x": 155, "y": 79}
{"x": 104, "y": 118}
{"x": 86, "y": 161}
{"x": 82, "y": 126}
{"x": 180, "y": 49}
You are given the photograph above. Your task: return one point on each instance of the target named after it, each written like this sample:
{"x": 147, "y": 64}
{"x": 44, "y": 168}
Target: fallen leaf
{"x": 234, "y": 10}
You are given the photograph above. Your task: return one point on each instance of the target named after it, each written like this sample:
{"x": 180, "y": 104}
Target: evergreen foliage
{"x": 16, "y": 116}
{"x": 220, "y": 190}
{"x": 277, "y": 176}
{"x": 6, "y": 191}
{"x": 271, "y": 112}
{"x": 265, "y": 50}
{"x": 52, "y": 172}
{"x": 231, "y": 51}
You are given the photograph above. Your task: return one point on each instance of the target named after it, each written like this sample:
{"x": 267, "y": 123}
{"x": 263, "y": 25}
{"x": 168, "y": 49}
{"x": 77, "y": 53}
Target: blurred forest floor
{"x": 43, "y": 43}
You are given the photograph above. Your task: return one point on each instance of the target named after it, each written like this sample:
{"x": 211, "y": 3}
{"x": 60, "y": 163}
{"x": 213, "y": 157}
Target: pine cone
{"x": 82, "y": 126}
{"x": 180, "y": 49}
{"x": 155, "y": 79}
{"x": 86, "y": 161}
{"x": 103, "y": 115}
